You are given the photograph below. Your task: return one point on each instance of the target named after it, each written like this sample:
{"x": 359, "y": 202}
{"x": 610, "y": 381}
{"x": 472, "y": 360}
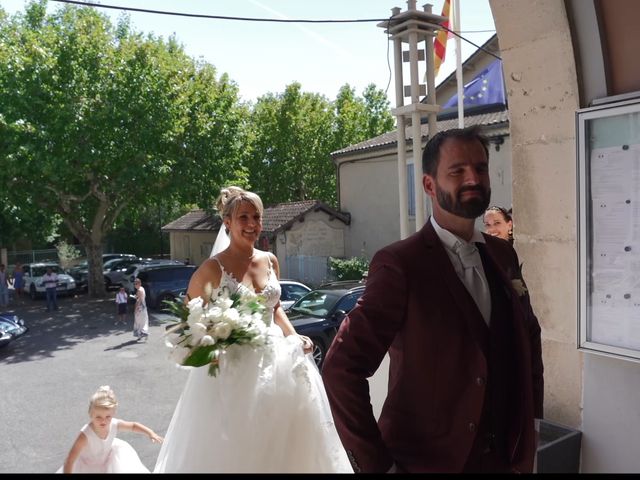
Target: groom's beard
{"x": 471, "y": 208}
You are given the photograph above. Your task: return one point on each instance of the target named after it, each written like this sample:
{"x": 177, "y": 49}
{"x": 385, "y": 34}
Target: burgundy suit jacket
{"x": 416, "y": 308}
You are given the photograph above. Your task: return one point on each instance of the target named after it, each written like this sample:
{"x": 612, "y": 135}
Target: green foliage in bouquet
{"x": 203, "y": 332}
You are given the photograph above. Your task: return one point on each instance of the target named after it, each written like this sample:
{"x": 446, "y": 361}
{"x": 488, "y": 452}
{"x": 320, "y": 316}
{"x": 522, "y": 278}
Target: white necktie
{"x": 474, "y": 278}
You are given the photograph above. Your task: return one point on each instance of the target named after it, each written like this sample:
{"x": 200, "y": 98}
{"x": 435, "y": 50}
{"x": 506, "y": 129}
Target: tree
{"x": 288, "y": 159}
{"x": 350, "y": 123}
{"x": 378, "y": 116}
{"x": 95, "y": 119}
{"x": 295, "y": 132}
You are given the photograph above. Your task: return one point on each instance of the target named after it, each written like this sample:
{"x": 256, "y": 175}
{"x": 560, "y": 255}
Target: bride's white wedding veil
{"x": 222, "y": 241}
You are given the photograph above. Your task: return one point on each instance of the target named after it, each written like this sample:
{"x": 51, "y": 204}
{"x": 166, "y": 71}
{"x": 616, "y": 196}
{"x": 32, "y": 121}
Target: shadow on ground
{"x": 79, "y": 319}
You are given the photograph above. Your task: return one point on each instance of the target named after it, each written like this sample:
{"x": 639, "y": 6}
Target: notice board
{"x": 608, "y": 149}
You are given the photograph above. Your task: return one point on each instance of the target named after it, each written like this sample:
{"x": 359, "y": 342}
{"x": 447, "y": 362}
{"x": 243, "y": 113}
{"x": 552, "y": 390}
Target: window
{"x": 349, "y": 302}
{"x": 292, "y": 292}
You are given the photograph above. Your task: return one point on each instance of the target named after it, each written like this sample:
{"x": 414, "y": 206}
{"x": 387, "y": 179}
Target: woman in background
{"x": 498, "y": 223}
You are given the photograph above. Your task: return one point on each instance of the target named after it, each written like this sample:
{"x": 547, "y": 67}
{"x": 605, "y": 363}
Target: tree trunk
{"x": 96, "y": 288}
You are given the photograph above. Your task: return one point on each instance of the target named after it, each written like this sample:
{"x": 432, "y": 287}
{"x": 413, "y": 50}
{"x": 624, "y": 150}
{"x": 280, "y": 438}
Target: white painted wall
{"x": 611, "y": 420}
{"x": 369, "y": 192}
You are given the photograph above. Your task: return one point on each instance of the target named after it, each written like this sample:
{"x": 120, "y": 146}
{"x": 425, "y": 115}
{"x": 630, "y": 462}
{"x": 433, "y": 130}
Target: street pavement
{"x": 48, "y": 375}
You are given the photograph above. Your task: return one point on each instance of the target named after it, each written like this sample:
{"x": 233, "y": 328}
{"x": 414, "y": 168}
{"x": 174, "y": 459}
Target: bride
{"x": 266, "y": 411}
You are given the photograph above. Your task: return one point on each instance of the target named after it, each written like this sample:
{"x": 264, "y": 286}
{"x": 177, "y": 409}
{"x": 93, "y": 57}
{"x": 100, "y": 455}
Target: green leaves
{"x": 177, "y": 309}
{"x": 200, "y": 356}
{"x": 96, "y": 118}
{"x": 295, "y": 132}
{"x": 350, "y": 268}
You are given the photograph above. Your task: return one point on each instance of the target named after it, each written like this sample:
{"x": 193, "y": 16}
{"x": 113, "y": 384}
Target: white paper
{"x": 615, "y": 266}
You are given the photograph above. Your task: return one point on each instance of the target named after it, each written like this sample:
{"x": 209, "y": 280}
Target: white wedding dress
{"x": 266, "y": 411}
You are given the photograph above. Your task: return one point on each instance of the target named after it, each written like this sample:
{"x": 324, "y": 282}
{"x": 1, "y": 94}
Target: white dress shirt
{"x": 478, "y": 287}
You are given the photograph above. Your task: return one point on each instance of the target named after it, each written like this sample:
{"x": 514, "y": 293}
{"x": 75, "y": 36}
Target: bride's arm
{"x": 280, "y": 317}
{"x": 207, "y": 273}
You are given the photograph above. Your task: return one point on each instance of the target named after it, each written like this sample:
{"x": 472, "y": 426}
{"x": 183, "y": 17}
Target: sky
{"x": 265, "y": 57}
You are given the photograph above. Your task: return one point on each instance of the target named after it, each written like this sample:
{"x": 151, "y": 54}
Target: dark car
{"x": 114, "y": 270}
{"x": 11, "y": 327}
{"x": 80, "y": 272}
{"x": 291, "y": 291}
{"x": 132, "y": 270}
{"x": 164, "y": 282}
{"x": 320, "y": 312}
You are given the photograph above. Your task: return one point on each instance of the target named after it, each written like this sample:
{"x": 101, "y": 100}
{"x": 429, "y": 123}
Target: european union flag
{"x": 485, "y": 89}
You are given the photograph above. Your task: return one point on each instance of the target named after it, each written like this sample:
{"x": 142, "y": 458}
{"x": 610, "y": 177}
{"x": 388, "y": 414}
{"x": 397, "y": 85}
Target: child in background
{"x": 121, "y": 302}
{"x": 97, "y": 450}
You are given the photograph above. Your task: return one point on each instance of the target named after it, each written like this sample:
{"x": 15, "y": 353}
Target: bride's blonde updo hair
{"x": 103, "y": 398}
{"x": 231, "y": 197}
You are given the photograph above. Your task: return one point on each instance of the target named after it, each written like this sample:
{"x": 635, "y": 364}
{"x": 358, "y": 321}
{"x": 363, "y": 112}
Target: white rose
{"x": 243, "y": 321}
{"x": 224, "y": 303}
{"x": 222, "y": 330}
{"x": 231, "y": 315}
{"x": 198, "y": 331}
{"x": 195, "y": 310}
{"x": 195, "y": 303}
{"x": 214, "y": 314}
{"x": 207, "y": 340}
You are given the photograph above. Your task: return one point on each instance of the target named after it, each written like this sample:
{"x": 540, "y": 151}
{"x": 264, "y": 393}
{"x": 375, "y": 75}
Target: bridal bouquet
{"x": 206, "y": 330}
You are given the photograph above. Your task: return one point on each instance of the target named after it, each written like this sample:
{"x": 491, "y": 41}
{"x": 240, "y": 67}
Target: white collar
{"x": 450, "y": 240}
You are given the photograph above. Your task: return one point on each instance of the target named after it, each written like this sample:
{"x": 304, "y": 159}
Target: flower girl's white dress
{"x": 266, "y": 411}
{"x": 108, "y": 455}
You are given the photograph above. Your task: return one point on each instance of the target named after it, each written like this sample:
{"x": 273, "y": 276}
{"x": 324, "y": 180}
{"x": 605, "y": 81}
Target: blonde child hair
{"x": 104, "y": 397}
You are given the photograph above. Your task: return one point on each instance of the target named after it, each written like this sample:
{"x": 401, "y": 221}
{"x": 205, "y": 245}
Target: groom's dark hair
{"x": 431, "y": 152}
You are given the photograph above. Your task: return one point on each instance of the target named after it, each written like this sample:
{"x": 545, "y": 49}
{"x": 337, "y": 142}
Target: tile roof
{"x": 197, "y": 220}
{"x": 282, "y": 215}
{"x": 275, "y": 218}
{"x": 493, "y": 119}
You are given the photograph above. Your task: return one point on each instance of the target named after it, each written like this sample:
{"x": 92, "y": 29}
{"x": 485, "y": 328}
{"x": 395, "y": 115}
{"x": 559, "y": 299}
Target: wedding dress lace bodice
{"x": 271, "y": 292}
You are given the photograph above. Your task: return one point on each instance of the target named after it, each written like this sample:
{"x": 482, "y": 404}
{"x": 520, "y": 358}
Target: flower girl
{"x": 96, "y": 449}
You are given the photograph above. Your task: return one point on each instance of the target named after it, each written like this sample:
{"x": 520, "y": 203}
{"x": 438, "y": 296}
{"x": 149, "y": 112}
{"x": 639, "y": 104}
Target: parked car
{"x": 291, "y": 291}
{"x": 11, "y": 328}
{"x": 135, "y": 268}
{"x": 320, "y": 312}
{"x": 80, "y": 272}
{"x": 164, "y": 282}
{"x": 114, "y": 269}
{"x": 33, "y": 273}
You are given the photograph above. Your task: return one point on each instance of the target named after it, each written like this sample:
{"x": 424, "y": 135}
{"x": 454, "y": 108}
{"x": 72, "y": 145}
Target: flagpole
{"x": 459, "y": 79}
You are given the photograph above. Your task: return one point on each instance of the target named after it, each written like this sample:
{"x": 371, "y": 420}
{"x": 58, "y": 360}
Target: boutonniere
{"x": 517, "y": 281}
{"x": 519, "y": 286}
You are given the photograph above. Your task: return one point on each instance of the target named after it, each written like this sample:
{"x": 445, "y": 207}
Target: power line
{"x": 217, "y": 17}
{"x": 257, "y": 19}
{"x": 469, "y": 41}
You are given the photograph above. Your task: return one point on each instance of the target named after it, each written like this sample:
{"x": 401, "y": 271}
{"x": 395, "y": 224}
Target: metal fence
{"x": 33, "y": 256}
{"x": 307, "y": 269}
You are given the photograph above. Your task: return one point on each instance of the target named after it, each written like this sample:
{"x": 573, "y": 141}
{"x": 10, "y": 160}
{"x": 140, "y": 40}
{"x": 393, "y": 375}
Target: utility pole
{"x": 413, "y": 26}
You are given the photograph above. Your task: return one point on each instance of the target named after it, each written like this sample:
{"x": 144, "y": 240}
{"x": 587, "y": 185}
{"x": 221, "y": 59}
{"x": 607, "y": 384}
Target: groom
{"x": 450, "y": 308}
